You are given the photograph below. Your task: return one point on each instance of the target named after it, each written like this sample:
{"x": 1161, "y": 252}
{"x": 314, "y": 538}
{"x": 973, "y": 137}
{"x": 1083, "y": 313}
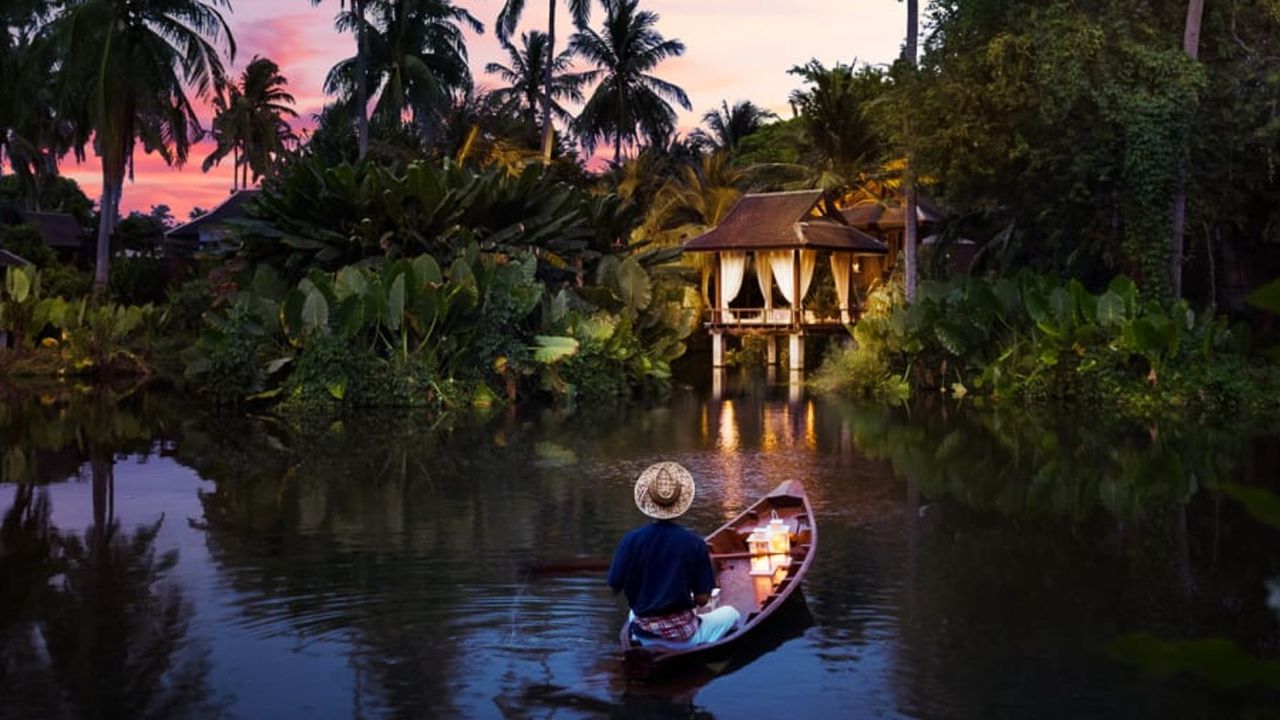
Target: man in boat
{"x": 665, "y": 570}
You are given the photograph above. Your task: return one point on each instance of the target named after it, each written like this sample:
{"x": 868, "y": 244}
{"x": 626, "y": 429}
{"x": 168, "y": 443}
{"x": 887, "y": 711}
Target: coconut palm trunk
{"x": 362, "y": 82}
{"x": 116, "y": 143}
{"x": 548, "y": 132}
{"x": 1190, "y": 45}
{"x": 910, "y": 229}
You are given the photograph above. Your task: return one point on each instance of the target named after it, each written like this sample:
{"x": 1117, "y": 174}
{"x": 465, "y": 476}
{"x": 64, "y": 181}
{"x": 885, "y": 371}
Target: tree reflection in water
{"x": 1135, "y": 514}
{"x": 91, "y": 625}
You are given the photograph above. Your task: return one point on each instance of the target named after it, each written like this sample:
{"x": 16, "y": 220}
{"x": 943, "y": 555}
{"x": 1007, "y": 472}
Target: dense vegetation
{"x": 1034, "y": 338}
{"x": 446, "y": 246}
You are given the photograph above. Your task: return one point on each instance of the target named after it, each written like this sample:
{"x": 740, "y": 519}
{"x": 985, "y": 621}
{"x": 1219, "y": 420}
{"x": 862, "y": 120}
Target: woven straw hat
{"x": 664, "y": 491}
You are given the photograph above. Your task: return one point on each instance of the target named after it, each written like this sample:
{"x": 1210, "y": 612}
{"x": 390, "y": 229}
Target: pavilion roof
{"x": 780, "y": 221}
{"x": 881, "y": 217}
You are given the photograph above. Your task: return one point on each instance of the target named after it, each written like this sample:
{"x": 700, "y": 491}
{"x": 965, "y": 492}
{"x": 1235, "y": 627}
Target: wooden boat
{"x": 754, "y": 596}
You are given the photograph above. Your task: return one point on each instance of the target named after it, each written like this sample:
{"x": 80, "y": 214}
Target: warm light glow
{"x": 763, "y": 586}
{"x": 810, "y": 426}
{"x": 758, "y": 545}
{"x": 779, "y": 537}
{"x": 728, "y": 438}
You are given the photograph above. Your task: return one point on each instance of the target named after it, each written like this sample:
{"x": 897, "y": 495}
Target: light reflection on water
{"x": 374, "y": 569}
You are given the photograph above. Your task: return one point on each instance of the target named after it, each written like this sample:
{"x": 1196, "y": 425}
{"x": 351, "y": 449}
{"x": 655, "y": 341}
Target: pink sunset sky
{"x": 735, "y": 50}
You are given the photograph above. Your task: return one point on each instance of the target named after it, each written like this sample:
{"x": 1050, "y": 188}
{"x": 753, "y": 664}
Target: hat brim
{"x": 665, "y": 512}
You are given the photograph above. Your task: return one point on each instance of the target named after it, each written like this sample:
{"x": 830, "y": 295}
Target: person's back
{"x": 664, "y": 570}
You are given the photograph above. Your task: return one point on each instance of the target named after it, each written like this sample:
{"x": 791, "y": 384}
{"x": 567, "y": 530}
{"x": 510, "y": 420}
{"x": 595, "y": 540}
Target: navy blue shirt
{"x": 659, "y": 567}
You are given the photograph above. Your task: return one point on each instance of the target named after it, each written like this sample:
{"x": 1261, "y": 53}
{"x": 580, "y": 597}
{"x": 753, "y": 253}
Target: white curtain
{"x": 733, "y": 266}
{"x": 784, "y": 273}
{"x": 763, "y": 279}
{"x": 783, "y": 263}
{"x": 840, "y": 266}
{"x": 808, "y": 262}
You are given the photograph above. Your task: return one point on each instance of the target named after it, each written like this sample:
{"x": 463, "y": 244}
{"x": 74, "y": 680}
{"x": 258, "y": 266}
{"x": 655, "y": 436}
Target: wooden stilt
{"x": 796, "y": 352}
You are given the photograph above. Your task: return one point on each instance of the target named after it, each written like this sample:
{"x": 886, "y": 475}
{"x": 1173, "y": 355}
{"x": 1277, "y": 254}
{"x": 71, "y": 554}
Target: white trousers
{"x": 713, "y": 626}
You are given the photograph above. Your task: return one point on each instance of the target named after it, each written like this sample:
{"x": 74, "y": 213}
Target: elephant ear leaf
{"x": 950, "y": 337}
{"x": 395, "y": 303}
{"x": 1110, "y": 310}
{"x": 427, "y": 271}
{"x": 634, "y": 286}
{"x": 18, "y": 284}
{"x": 315, "y": 312}
{"x": 554, "y": 348}
{"x": 350, "y": 282}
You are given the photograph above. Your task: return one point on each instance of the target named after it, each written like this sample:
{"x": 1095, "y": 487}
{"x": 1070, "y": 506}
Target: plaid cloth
{"x": 676, "y": 627}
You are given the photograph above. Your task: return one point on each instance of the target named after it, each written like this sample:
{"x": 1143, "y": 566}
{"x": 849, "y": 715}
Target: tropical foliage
{"x": 325, "y": 218}
{"x": 413, "y": 333}
{"x": 57, "y": 336}
{"x": 1032, "y": 337}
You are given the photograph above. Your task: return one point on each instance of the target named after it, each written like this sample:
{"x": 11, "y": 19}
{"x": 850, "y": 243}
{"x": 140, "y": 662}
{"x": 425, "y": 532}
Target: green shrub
{"x": 68, "y": 281}
{"x": 27, "y": 242}
{"x": 138, "y": 280}
{"x": 1035, "y": 339}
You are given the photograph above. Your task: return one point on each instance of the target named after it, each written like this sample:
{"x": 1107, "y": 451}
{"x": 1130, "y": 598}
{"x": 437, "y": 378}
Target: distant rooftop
{"x": 59, "y": 230}
{"x": 230, "y": 209}
{"x": 881, "y": 217}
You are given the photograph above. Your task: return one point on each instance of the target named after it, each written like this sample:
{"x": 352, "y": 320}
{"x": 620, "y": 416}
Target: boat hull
{"x": 756, "y": 598}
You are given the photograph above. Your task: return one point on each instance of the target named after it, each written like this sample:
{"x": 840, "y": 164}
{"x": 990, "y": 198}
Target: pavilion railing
{"x": 770, "y": 317}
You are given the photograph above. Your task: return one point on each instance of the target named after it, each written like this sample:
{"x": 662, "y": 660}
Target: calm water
{"x": 157, "y": 561}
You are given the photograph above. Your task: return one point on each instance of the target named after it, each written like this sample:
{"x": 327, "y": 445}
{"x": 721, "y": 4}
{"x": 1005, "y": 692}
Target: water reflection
{"x": 971, "y": 563}
{"x": 90, "y": 625}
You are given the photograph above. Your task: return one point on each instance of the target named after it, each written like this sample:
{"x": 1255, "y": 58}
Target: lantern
{"x": 779, "y": 536}
{"x": 758, "y": 545}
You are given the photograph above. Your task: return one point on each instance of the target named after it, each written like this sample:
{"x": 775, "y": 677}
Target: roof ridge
{"x": 780, "y": 192}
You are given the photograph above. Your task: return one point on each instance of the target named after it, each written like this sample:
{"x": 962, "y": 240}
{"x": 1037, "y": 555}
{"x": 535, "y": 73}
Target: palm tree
{"x": 32, "y": 137}
{"x": 629, "y": 102}
{"x": 417, "y": 57}
{"x": 524, "y": 75}
{"x": 355, "y": 19}
{"x": 834, "y": 111}
{"x": 126, "y": 67}
{"x": 910, "y": 231}
{"x": 252, "y": 122}
{"x": 728, "y": 125}
{"x": 696, "y": 199}
{"x": 508, "y": 17}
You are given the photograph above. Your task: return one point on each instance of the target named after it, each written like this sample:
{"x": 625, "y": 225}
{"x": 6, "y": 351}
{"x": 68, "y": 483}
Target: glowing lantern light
{"x": 758, "y": 545}
{"x": 779, "y": 536}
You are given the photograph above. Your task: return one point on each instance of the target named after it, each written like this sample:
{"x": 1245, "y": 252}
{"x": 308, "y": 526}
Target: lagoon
{"x": 972, "y": 563}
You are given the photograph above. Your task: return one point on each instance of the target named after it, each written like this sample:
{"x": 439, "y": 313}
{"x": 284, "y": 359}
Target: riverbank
{"x": 1034, "y": 342}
